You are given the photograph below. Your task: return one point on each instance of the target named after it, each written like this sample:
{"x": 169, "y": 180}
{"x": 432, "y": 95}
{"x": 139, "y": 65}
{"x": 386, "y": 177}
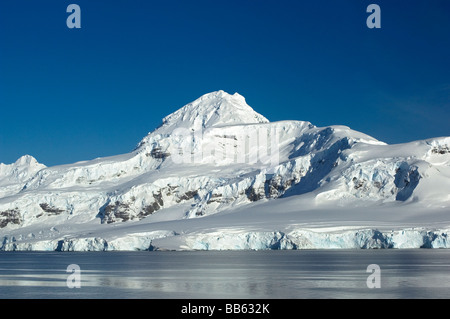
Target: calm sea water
{"x": 231, "y": 274}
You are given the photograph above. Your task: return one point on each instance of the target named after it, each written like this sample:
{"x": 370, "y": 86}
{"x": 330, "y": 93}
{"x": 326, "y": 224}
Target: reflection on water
{"x": 254, "y": 274}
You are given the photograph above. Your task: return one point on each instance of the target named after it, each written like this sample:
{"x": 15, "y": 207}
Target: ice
{"x": 218, "y": 175}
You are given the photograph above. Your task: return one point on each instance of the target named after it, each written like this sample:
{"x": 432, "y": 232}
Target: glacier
{"x": 217, "y": 175}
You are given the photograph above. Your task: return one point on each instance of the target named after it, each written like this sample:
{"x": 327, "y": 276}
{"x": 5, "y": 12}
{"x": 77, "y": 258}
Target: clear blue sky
{"x": 76, "y": 94}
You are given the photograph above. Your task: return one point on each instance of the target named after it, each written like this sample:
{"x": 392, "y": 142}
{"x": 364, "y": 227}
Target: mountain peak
{"x": 26, "y": 160}
{"x": 20, "y": 170}
{"x": 213, "y": 109}
{"x": 220, "y": 94}
{"x": 23, "y": 161}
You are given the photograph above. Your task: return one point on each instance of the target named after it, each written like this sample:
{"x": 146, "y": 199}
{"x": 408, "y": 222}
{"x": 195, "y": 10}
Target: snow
{"x": 217, "y": 175}
{"x": 12, "y": 176}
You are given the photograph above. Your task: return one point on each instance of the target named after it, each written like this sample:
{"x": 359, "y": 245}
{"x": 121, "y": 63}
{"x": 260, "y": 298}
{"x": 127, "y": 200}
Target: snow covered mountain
{"x": 13, "y": 176}
{"x": 218, "y": 175}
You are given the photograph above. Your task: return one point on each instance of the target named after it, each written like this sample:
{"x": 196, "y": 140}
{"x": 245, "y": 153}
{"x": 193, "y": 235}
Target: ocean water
{"x": 421, "y": 273}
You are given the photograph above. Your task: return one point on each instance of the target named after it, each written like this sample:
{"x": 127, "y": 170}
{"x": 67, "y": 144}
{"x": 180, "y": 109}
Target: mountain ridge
{"x": 213, "y": 109}
{"x": 214, "y": 163}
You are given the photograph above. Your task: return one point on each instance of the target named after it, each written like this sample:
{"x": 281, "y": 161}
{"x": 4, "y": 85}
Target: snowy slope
{"x": 217, "y": 175}
{"x": 13, "y": 176}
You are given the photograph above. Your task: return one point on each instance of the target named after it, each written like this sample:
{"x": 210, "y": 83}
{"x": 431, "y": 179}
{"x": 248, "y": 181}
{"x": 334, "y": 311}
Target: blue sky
{"x": 75, "y": 94}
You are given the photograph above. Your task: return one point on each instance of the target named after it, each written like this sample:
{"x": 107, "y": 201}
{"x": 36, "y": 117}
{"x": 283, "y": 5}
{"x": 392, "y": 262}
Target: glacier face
{"x": 215, "y": 162}
{"x": 409, "y": 238}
